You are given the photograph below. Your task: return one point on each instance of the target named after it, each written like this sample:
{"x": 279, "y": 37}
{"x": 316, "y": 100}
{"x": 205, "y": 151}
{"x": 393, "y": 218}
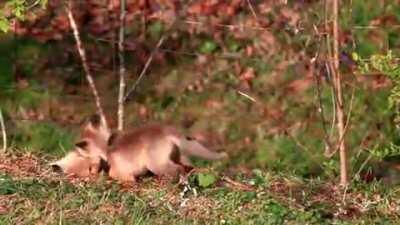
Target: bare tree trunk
{"x": 3, "y": 131}
{"x": 337, "y": 82}
{"x": 122, "y": 83}
{"x": 82, "y": 55}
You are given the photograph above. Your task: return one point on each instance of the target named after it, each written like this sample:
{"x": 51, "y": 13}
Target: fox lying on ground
{"x": 159, "y": 149}
{"x": 88, "y": 156}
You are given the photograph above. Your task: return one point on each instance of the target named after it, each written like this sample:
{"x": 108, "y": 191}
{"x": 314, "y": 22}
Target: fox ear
{"x": 190, "y": 138}
{"x": 82, "y": 145}
{"x": 95, "y": 120}
{"x": 112, "y": 138}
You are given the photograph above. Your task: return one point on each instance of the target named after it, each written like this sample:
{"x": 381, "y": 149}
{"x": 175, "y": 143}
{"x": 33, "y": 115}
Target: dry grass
{"x": 39, "y": 196}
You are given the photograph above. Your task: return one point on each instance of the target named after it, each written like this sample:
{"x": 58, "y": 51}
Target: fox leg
{"x": 167, "y": 163}
{"x": 117, "y": 174}
{"x": 169, "y": 168}
{"x": 186, "y": 163}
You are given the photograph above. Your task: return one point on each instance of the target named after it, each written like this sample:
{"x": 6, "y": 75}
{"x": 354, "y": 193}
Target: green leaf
{"x": 208, "y": 47}
{"x": 43, "y": 3}
{"x": 206, "y": 179}
{"x": 156, "y": 29}
{"x": 4, "y": 26}
{"x": 355, "y": 56}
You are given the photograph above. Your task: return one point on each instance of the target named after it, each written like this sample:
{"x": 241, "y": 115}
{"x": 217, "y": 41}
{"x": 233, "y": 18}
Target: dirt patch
{"x": 5, "y": 203}
{"x": 22, "y": 165}
{"x": 28, "y": 165}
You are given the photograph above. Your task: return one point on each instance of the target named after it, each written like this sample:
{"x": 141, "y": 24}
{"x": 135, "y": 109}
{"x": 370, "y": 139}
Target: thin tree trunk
{"x": 3, "y": 131}
{"x": 337, "y": 82}
{"x": 82, "y": 55}
{"x": 122, "y": 83}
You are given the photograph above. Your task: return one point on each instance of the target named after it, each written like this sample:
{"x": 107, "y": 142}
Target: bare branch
{"x": 122, "y": 84}
{"x": 146, "y": 66}
{"x": 333, "y": 151}
{"x": 3, "y": 131}
{"x": 85, "y": 65}
{"x": 252, "y": 10}
{"x": 246, "y": 95}
{"x": 320, "y": 108}
{"x": 160, "y": 42}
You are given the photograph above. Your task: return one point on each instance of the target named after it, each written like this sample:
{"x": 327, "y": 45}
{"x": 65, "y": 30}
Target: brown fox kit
{"x": 158, "y": 149}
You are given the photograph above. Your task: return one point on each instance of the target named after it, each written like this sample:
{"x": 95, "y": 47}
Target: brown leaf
{"x": 248, "y": 74}
{"x": 292, "y": 16}
{"x": 299, "y": 85}
{"x": 213, "y": 104}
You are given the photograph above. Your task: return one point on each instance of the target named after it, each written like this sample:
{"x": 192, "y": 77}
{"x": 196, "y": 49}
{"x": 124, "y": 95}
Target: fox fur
{"x": 159, "y": 149}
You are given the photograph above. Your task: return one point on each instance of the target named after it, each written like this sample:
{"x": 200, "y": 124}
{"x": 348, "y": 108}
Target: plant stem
{"x": 82, "y": 55}
{"x": 337, "y": 82}
{"x": 122, "y": 83}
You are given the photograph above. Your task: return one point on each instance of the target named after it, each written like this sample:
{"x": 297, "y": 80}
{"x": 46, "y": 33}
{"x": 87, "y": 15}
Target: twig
{"x": 333, "y": 97}
{"x": 252, "y": 10}
{"x": 362, "y": 166}
{"x": 349, "y": 113}
{"x": 134, "y": 86}
{"x": 344, "y": 195}
{"x": 122, "y": 84}
{"x": 160, "y": 42}
{"x": 3, "y": 131}
{"x": 330, "y": 154}
{"x": 238, "y": 185}
{"x": 247, "y": 96}
{"x": 329, "y": 66}
{"x": 317, "y": 79}
{"x": 85, "y": 65}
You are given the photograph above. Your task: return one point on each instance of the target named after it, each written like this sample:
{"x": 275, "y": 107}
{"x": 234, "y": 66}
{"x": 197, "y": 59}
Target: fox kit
{"x": 160, "y": 149}
{"x": 89, "y": 154}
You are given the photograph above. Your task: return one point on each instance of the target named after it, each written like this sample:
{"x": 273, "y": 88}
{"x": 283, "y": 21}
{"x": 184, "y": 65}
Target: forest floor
{"x": 31, "y": 194}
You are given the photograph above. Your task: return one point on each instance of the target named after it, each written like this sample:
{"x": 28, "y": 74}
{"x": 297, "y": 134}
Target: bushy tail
{"x": 194, "y": 148}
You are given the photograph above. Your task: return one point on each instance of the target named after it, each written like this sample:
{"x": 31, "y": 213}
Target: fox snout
{"x": 56, "y": 168}
{"x": 73, "y": 163}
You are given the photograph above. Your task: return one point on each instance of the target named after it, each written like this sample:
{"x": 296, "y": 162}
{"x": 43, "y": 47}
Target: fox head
{"x": 90, "y": 153}
{"x": 96, "y": 131}
{"x": 74, "y": 163}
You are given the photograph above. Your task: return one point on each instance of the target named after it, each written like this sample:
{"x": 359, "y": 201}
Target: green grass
{"x": 257, "y": 197}
{"x": 42, "y": 137}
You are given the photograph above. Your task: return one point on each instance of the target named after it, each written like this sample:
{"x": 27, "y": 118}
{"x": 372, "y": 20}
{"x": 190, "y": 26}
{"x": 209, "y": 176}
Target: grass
{"x": 31, "y": 194}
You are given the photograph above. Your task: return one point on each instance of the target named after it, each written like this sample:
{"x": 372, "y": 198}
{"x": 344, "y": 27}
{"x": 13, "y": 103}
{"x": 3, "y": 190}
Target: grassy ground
{"x": 277, "y": 173}
{"x": 31, "y": 194}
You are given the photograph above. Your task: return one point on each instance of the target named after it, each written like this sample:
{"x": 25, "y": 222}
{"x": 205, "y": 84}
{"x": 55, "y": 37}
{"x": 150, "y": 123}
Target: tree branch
{"x": 160, "y": 42}
{"x": 122, "y": 83}
{"x": 146, "y": 66}
{"x": 3, "y": 131}
{"x": 85, "y": 65}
